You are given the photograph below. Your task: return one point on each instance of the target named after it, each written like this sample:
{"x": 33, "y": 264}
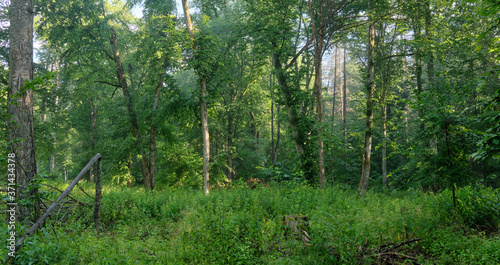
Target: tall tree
{"x": 203, "y": 102}
{"x": 370, "y": 86}
{"x": 316, "y": 15}
{"x": 21, "y": 133}
{"x": 344, "y": 100}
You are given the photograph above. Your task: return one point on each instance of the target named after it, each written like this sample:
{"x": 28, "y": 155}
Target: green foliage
{"x": 244, "y": 226}
{"x": 477, "y": 208}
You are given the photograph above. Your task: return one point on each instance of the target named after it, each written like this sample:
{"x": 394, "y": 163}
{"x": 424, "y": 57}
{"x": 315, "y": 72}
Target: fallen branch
{"x": 398, "y": 245}
{"x": 80, "y": 187}
{"x": 386, "y": 253}
{"x": 81, "y": 203}
{"x": 396, "y": 254}
{"x": 50, "y": 210}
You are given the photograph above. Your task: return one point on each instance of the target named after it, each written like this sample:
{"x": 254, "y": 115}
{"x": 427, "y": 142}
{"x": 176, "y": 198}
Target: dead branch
{"x": 398, "y": 245}
{"x": 80, "y": 187}
{"x": 50, "y": 210}
{"x": 79, "y": 202}
{"x": 386, "y": 253}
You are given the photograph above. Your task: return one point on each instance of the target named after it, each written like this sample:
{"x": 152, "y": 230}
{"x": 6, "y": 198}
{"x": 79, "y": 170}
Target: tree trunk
{"x": 52, "y": 157}
{"x": 206, "y": 137}
{"x": 384, "y": 144}
{"x": 55, "y": 67}
{"x": 93, "y": 121}
{"x": 21, "y": 71}
{"x": 153, "y": 132}
{"x": 293, "y": 115}
{"x": 131, "y": 110}
{"x": 334, "y": 87}
{"x": 365, "y": 173}
{"x": 276, "y": 149}
{"x": 318, "y": 54}
{"x": 271, "y": 88}
{"x": 344, "y": 100}
{"x": 229, "y": 143}
{"x": 428, "y": 36}
{"x": 203, "y": 103}
{"x": 129, "y": 171}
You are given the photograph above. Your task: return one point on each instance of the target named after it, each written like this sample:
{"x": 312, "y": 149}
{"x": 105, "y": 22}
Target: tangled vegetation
{"x": 245, "y": 226}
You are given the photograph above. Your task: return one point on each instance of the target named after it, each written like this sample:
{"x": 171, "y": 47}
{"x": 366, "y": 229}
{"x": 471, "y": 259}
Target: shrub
{"x": 475, "y": 207}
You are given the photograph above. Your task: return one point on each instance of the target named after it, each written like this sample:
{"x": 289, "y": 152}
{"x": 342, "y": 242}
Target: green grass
{"x": 243, "y": 226}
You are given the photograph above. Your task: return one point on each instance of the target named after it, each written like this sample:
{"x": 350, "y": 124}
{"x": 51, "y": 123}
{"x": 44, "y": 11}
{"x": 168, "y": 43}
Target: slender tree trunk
{"x": 383, "y": 112}
{"x": 418, "y": 69}
{"x": 206, "y": 137}
{"x": 344, "y": 100}
{"x": 203, "y": 103}
{"x": 56, "y": 103}
{"x": 271, "y": 88}
{"x": 430, "y": 63}
{"x": 131, "y": 110}
{"x": 93, "y": 122}
{"x": 278, "y": 133}
{"x": 153, "y": 133}
{"x": 334, "y": 87}
{"x": 428, "y": 36}
{"x": 21, "y": 71}
{"x": 129, "y": 170}
{"x": 52, "y": 157}
{"x": 384, "y": 144}
{"x": 229, "y": 143}
{"x": 318, "y": 54}
{"x": 65, "y": 174}
{"x": 365, "y": 173}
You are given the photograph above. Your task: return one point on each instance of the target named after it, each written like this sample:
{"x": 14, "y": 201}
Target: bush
{"x": 475, "y": 207}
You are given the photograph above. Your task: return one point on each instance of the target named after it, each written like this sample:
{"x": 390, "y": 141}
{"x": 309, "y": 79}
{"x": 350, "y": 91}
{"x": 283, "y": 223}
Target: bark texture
{"x": 93, "y": 122}
{"x": 318, "y": 57}
{"x": 21, "y": 71}
{"x": 365, "y": 172}
{"x": 203, "y": 103}
{"x": 344, "y": 100}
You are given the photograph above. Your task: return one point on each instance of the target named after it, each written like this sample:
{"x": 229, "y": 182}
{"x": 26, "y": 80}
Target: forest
{"x": 250, "y": 131}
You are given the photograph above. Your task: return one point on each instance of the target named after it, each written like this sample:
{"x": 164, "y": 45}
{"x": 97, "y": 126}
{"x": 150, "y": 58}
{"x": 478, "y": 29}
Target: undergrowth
{"x": 244, "y": 226}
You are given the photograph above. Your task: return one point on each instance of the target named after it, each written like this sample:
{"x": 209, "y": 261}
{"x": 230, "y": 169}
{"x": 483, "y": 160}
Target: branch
{"x": 41, "y": 220}
{"x": 320, "y": 28}
{"x": 82, "y": 203}
{"x": 394, "y": 55}
{"x": 80, "y": 187}
{"x": 107, "y": 83}
{"x": 400, "y": 244}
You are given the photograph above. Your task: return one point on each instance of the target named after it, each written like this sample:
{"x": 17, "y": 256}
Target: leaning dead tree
{"x": 57, "y": 203}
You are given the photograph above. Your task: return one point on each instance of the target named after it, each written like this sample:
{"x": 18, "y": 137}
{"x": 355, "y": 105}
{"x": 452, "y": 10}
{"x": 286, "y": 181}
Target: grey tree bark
{"x": 318, "y": 57}
{"x": 365, "y": 172}
{"x": 203, "y": 104}
{"x": 93, "y": 122}
{"x": 344, "y": 100}
{"x": 21, "y": 134}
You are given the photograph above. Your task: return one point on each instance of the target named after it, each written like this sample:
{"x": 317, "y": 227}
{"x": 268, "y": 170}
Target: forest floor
{"x": 245, "y": 226}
